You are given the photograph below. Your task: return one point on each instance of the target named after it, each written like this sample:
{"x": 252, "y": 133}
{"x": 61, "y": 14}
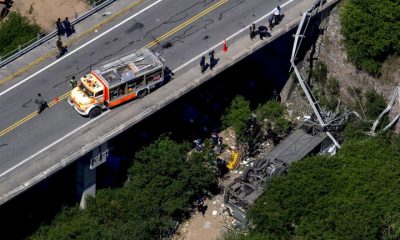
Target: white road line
{"x": 52, "y": 144}
{"x": 228, "y": 38}
{"x": 82, "y": 46}
{"x": 103, "y": 114}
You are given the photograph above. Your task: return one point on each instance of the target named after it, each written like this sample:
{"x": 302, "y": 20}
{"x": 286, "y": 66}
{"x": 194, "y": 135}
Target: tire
{"x": 143, "y": 93}
{"x": 94, "y": 112}
{"x": 259, "y": 163}
{"x": 246, "y": 174}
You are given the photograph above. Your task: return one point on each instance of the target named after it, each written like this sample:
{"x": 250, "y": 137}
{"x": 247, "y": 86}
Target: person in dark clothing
{"x": 60, "y": 27}
{"x": 212, "y": 59}
{"x": 67, "y": 27}
{"x": 214, "y": 137}
{"x": 73, "y": 82}
{"x": 42, "y": 104}
{"x": 61, "y": 48}
{"x": 270, "y": 21}
{"x": 203, "y": 64}
{"x": 252, "y": 31}
{"x": 219, "y": 145}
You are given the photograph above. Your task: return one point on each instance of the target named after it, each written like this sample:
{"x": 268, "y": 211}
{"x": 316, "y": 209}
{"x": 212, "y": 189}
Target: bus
{"x": 117, "y": 81}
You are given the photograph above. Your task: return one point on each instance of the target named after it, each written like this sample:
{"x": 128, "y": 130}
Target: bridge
{"x": 34, "y": 146}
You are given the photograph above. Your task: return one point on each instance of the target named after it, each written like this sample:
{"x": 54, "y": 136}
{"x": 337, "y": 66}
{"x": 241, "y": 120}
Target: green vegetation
{"x": 326, "y": 90}
{"x": 163, "y": 183}
{"x": 352, "y": 195}
{"x": 320, "y": 72}
{"x": 371, "y": 31}
{"x": 237, "y": 115}
{"x": 16, "y": 30}
{"x": 374, "y": 104}
{"x": 272, "y": 117}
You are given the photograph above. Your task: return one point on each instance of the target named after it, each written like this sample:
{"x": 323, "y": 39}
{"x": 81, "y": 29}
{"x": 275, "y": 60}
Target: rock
{"x": 207, "y": 224}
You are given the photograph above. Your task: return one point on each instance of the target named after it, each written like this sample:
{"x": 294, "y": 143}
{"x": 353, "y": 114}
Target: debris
{"x": 214, "y": 212}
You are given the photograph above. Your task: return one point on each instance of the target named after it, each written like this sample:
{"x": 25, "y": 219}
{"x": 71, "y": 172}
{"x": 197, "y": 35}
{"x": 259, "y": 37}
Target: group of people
{"x": 204, "y": 65}
{"x": 273, "y": 20}
{"x": 64, "y": 28}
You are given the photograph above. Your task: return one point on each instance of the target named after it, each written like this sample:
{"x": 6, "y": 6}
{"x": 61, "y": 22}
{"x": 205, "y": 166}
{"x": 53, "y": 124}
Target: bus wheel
{"x": 143, "y": 93}
{"x": 94, "y": 112}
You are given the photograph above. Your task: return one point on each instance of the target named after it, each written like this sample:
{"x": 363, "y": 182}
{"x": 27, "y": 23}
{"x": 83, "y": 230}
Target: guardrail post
{"x": 19, "y": 48}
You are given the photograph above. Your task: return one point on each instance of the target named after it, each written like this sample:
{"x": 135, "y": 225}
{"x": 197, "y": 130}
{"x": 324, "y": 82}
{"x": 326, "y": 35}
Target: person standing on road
{"x": 252, "y": 31}
{"x": 203, "y": 64}
{"x": 277, "y": 15}
{"x": 212, "y": 59}
{"x": 67, "y": 26}
{"x": 270, "y": 21}
{"x": 61, "y": 48}
{"x": 60, "y": 27}
{"x": 73, "y": 82}
{"x": 42, "y": 104}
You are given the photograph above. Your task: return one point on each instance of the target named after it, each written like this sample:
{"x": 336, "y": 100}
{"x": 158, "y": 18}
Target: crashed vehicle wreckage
{"x": 244, "y": 190}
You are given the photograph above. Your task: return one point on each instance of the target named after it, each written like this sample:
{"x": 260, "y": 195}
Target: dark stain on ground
{"x": 25, "y": 104}
{"x": 115, "y": 39}
{"x": 3, "y": 145}
{"x": 106, "y": 43}
{"x": 92, "y": 53}
{"x": 167, "y": 45}
{"x": 206, "y": 37}
{"x": 135, "y": 27}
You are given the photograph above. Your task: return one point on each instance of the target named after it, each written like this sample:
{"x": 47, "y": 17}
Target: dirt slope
{"x": 46, "y": 12}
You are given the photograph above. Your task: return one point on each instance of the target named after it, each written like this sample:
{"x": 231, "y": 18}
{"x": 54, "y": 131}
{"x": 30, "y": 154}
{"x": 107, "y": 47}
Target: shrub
{"x": 374, "y": 104}
{"x": 320, "y": 72}
{"x": 16, "y": 30}
{"x": 237, "y": 114}
{"x": 332, "y": 88}
{"x": 271, "y": 110}
{"x": 371, "y": 31}
{"x": 352, "y": 195}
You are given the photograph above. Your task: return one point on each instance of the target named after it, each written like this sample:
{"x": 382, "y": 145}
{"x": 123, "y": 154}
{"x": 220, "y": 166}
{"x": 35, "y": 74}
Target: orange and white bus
{"x": 117, "y": 81}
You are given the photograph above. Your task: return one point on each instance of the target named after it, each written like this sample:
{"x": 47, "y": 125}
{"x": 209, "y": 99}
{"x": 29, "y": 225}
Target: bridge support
{"x": 86, "y": 180}
{"x": 86, "y": 173}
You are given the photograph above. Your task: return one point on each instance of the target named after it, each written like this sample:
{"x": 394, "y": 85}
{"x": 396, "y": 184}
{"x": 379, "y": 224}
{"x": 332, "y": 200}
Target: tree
{"x": 352, "y": 195}
{"x": 162, "y": 186}
{"x": 271, "y": 116}
{"x": 371, "y": 31}
{"x": 237, "y": 115}
{"x": 16, "y": 30}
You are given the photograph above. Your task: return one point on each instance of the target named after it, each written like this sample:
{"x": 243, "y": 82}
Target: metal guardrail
{"x": 41, "y": 38}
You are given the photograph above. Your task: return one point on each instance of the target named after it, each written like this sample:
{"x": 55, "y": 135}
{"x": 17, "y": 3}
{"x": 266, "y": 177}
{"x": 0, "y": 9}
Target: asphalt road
{"x": 198, "y": 33}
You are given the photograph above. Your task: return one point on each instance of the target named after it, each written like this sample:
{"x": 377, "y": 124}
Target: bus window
{"x": 117, "y": 92}
{"x": 140, "y": 81}
{"x": 154, "y": 76}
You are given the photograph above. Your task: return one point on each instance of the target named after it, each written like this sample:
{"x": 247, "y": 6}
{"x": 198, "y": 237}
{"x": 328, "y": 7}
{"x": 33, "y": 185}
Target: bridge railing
{"x": 42, "y": 38}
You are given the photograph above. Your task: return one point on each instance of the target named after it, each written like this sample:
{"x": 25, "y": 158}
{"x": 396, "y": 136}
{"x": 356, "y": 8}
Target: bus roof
{"x": 128, "y": 67}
